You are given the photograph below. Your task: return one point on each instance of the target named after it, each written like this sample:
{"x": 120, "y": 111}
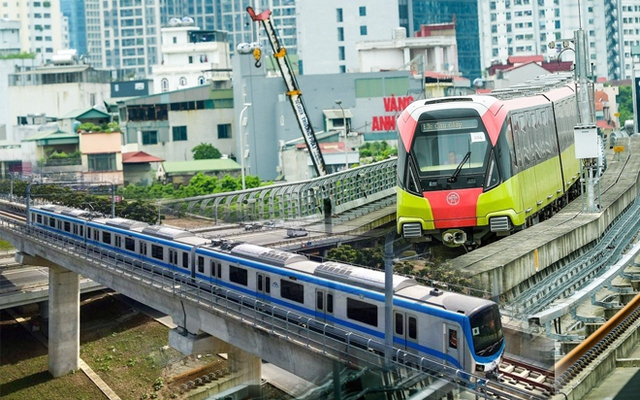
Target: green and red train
{"x": 473, "y": 167}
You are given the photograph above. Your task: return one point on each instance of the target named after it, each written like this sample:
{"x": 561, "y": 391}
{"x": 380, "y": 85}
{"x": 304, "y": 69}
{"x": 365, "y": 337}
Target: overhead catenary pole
{"x": 241, "y": 136}
{"x": 586, "y": 132}
{"x": 344, "y": 126}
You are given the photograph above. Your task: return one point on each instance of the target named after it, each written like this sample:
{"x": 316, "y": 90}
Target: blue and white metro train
{"x": 461, "y": 331}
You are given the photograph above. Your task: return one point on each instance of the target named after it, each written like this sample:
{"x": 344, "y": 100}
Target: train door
{"x": 405, "y": 331}
{"x": 263, "y": 287}
{"x": 324, "y": 305}
{"x": 453, "y": 343}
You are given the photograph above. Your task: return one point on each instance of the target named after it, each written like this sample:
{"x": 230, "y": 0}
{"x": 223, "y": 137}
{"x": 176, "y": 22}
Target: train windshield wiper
{"x": 454, "y": 176}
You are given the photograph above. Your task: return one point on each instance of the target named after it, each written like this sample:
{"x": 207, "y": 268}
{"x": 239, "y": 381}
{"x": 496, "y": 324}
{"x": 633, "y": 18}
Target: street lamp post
{"x": 344, "y": 125}
{"x": 241, "y": 134}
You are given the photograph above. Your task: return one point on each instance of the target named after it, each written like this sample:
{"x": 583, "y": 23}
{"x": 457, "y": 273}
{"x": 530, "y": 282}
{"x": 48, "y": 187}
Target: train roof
{"x": 68, "y": 211}
{"x": 166, "y": 232}
{"x": 125, "y": 223}
{"x": 359, "y": 276}
{"x": 272, "y": 256}
{"x": 450, "y": 301}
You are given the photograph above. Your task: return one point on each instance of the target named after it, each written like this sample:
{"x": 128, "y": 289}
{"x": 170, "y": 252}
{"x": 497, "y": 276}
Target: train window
{"x": 143, "y": 248}
{"x": 67, "y": 226}
{"x": 96, "y": 234}
{"x": 413, "y": 328}
{"x": 319, "y": 300}
{"x": 399, "y": 325}
{"x": 52, "y": 222}
{"x": 267, "y": 283}
{"x": 157, "y": 252}
{"x": 330, "y": 303}
{"x": 238, "y": 275}
{"x": 39, "y": 218}
{"x": 292, "y": 291}
{"x": 212, "y": 268}
{"x": 363, "y": 312}
{"x": 118, "y": 240}
{"x": 129, "y": 244}
{"x": 453, "y": 338}
{"x": 259, "y": 282}
{"x": 106, "y": 237}
{"x": 200, "y": 264}
{"x": 173, "y": 257}
{"x": 75, "y": 229}
{"x": 219, "y": 271}
{"x": 185, "y": 260}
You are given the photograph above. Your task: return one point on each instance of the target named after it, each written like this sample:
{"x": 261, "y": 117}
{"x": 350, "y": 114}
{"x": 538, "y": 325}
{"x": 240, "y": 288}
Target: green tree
{"x": 625, "y": 103}
{"x": 205, "y": 151}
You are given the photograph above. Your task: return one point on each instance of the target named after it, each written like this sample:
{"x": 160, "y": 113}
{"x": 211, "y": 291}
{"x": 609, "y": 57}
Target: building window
{"x": 164, "y": 84}
{"x": 102, "y": 162}
{"x": 363, "y": 11}
{"x": 224, "y": 131}
{"x": 338, "y": 14}
{"x": 201, "y": 80}
{"x": 363, "y": 30}
{"x": 179, "y": 133}
{"x": 341, "y": 53}
{"x": 183, "y": 81}
{"x": 149, "y": 137}
{"x": 340, "y": 34}
{"x": 175, "y": 40}
{"x": 190, "y": 59}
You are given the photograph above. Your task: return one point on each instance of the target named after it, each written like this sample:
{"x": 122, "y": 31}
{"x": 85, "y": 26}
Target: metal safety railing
{"x": 342, "y": 190}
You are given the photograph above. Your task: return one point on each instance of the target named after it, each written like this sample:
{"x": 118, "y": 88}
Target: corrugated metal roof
{"x": 48, "y": 135}
{"x": 54, "y": 70}
{"x": 221, "y": 164}
{"x": 86, "y": 113}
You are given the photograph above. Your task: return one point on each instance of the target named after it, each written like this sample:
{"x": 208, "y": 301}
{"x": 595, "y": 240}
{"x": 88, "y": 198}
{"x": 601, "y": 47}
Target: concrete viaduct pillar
{"x": 63, "y": 314}
{"x": 64, "y": 321}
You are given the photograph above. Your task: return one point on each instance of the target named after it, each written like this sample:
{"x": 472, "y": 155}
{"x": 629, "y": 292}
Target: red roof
{"x": 604, "y": 124}
{"x": 138, "y": 157}
{"x": 524, "y": 59}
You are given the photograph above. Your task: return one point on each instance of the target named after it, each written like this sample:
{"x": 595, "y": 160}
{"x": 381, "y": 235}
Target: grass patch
{"x": 5, "y": 246}
{"x": 24, "y": 369}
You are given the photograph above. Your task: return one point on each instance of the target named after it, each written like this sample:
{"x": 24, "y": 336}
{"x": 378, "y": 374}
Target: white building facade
{"x": 527, "y": 27}
{"x": 41, "y": 25}
{"x": 328, "y": 31}
{"x": 191, "y": 57}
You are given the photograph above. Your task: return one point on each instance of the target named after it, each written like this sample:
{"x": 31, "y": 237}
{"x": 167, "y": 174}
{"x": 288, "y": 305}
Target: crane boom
{"x": 293, "y": 91}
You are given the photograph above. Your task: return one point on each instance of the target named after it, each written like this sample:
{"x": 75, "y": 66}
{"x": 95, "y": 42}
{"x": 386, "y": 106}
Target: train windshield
{"x": 486, "y": 330}
{"x": 445, "y": 146}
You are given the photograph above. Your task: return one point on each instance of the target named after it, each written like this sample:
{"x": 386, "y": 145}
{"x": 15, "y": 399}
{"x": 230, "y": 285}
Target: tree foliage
{"x": 625, "y": 103}
{"x": 93, "y": 198}
{"x": 430, "y": 270}
{"x": 199, "y": 185}
{"x": 205, "y": 151}
{"x": 376, "y": 151}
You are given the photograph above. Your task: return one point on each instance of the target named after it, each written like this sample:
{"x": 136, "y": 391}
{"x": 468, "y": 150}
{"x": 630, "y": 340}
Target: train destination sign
{"x": 449, "y": 125}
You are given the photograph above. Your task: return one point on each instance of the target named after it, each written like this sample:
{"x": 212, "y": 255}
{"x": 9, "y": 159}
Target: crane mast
{"x": 293, "y": 91}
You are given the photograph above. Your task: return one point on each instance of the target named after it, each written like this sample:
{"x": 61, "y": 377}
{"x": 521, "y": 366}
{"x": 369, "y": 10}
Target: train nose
{"x": 454, "y": 237}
